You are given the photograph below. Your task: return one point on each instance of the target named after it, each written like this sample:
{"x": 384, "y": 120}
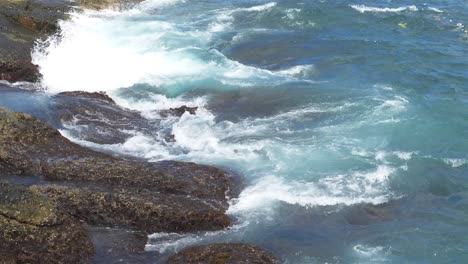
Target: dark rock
{"x": 36, "y": 15}
{"x": 96, "y": 95}
{"x": 96, "y": 118}
{"x": 22, "y": 22}
{"x": 100, "y": 4}
{"x": 114, "y": 245}
{"x": 178, "y": 196}
{"x": 223, "y": 254}
{"x": 32, "y": 230}
{"x": 138, "y": 209}
{"x": 179, "y": 111}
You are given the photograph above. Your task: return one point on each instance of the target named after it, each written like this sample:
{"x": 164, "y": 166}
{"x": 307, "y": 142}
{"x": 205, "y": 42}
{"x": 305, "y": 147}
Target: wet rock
{"x": 179, "y": 111}
{"x": 223, "y": 253}
{"x": 100, "y": 4}
{"x": 96, "y": 95}
{"x": 114, "y": 245}
{"x": 32, "y": 230}
{"x": 36, "y": 15}
{"x": 22, "y": 22}
{"x": 178, "y": 196}
{"x": 95, "y": 117}
{"x": 137, "y": 209}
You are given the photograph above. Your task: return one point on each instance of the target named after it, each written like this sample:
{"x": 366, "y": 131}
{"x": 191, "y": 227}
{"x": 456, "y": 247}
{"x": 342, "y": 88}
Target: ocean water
{"x": 348, "y": 120}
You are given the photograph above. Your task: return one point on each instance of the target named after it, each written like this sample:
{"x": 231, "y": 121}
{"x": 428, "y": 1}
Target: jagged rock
{"x": 223, "y": 254}
{"x": 182, "y": 196}
{"x": 32, "y": 230}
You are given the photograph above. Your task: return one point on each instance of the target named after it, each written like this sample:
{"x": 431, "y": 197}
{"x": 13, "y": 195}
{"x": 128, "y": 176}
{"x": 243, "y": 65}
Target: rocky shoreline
{"x": 78, "y": 189}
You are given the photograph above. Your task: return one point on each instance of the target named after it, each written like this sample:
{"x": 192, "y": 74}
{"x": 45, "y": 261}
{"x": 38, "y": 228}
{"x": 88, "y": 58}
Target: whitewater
{"x": 347, "y": 121}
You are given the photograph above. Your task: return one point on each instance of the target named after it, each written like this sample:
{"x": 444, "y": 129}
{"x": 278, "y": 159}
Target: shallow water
{"x": 348, "y": 120}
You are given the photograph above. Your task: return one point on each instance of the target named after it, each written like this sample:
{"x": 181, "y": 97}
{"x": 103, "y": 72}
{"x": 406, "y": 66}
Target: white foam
{"x": 259, "y": 8}
{"x": 203, "y": 138}
{"x": 437, "y": 10}
{"x": 225, "y": 18}
{"x": 404, "y": 155}
{"x": 394, "y": 105}
{"x": 107, "y": 50}
{"x": 367, "y": 251}
{"x": 93, "y": 54}
{"x": 455, "y": 163}
{"x": 358, "y": 187}
{"x": 153, "y": 103}
{"x": 371, "y": 254}
{"x": 158, "y": 4}
{"x": 137, "y": 145}
{"x": 291, "y": 13}
{"x": 298, "y": 71}
{"x": 173, "y": 242}
{"x": 364, "y": 8}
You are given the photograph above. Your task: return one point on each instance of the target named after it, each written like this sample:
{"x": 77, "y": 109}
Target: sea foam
{"x": 107, "y": 50}
{"x": 364, "y": 8}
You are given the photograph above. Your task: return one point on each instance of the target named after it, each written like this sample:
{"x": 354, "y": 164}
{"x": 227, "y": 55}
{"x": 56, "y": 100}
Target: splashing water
{"x": 322, "y": 107}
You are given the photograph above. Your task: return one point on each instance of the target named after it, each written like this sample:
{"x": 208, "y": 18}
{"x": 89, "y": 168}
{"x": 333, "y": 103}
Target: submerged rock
{"x": 32, "y": 230}
{"x": 115, "y": 245}
{"x": 162, "y": 196}
{"x": 95, "y": 117}
{"x": 223, "y": 254}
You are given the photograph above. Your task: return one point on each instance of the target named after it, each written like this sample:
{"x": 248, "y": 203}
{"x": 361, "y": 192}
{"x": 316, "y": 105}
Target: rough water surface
{"x": 348, "y": 119}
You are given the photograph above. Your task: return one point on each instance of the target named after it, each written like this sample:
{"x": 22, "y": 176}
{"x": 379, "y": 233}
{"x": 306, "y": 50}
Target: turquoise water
{"x": 348, "y": 120}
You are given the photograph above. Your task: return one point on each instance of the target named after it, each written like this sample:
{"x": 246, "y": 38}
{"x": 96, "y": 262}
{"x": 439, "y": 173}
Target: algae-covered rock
{"x": 167, "y": 195}
{"x": 223, "y": 254}
{"x": 138, "y": 209}
{"x": 25, "y": 207}
{"x": 29, "y": 146}
{"x": 32, "y": 230}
